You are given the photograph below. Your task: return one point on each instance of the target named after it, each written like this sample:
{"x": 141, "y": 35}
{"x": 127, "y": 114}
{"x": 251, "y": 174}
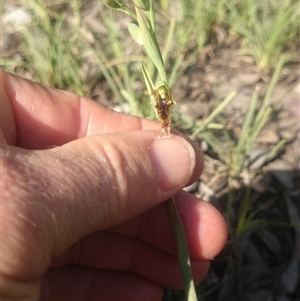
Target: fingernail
{"x": 174, "y": 161}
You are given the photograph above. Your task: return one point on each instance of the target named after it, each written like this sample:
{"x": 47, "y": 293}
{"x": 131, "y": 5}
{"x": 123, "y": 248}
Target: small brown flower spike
{"x": 163, "y": 103}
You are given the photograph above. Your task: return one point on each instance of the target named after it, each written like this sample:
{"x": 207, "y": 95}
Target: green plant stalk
{"x": 242, "y": 218}
{"x": 177, "y": 226}
{"x": 243, "y": 141}
{"x": 241, "y": 151}
{"x": 183, "y": 251}
{"x": 215, "y": 113}
{"x": 219, "y": 108}
{"x": 252, "y": 127}
{"x": 126, "y": 91}
{"x": 109, "y": 75}
{"x": 145, "y": 34}
{"x": 230, "y": 199}
{"x": 277, "y": 148}
{"x": 251, "y": 223}
{"x": 119, "y": 6}
{"x": 151, "y": 45}
{"x": 267, "y": 37}
{"x": 47, "y": 52}
{"x": 170, "y": 36}
{"x": 259, "y": 125}
{"x": 274, "y": 79}
{"x": 174, "y": 73}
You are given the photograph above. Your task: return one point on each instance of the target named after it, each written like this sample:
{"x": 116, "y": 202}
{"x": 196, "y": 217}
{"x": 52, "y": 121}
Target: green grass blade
{"x": 151, "y": 45}
{"x": 243, "y": 141}
{"x": 135, "y": 33}
{"x": 215, "y": 112}
{"x": 183, "y": 251}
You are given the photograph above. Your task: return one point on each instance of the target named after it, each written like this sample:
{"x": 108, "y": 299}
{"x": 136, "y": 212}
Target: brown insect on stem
{"x": 163, "y": 104}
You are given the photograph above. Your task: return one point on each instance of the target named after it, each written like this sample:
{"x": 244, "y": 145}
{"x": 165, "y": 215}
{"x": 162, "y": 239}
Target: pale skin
{"x": 83, "y": 191}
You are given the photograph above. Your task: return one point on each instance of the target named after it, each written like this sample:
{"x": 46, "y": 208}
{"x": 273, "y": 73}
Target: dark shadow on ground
{"x": 262, "y": 262}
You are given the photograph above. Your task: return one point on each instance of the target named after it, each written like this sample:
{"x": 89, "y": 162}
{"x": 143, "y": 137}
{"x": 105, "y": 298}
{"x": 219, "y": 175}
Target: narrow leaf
{"x": 119, "y": 5}
{"x": 151, "y": 45}
{"x": 142, "y": 4}
{"x": 114, "y": 4}
{"x": 136, "y": 33}
{"x": 183, "y": 251}
{"x": 147, "y": 78}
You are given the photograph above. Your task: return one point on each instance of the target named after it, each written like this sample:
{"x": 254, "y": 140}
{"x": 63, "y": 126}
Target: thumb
{"x": 55, "y": 197}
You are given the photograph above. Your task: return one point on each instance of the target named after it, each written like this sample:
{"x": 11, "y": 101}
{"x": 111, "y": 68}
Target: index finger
{"x": 38, "y": 117}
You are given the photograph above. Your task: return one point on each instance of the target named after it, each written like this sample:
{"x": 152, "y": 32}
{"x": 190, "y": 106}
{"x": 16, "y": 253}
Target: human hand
{"x": 82, "y": 200}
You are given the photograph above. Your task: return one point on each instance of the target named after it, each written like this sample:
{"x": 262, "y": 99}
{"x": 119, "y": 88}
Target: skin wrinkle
{"x": 17, "y": 213}
{"x": 64, "y": 162}
{"x": 4, "y": 148}
{"x": 101, "y": 162}
{"x": 117, "y": 165}
{"x": 72, "y": 112}
{"x": 89, "y": 167}
{"x": 107, "y": 126}
{"x": 134, "y": 266}
{"x": 125, "y": 179}
{"x": 83, "y": 132}
{"x": 142, "y": 226}
{"x": 130, "y": 265}
{"x": 78, "y": 189}
{"x": 141, "y": 229}
{"x": 31, "y": 186}
{"x": 7, "y": 112}
{"x": 67, "y": 111}
{"x": 19, "y": 262}
{"x": 21, "y": 101}
{"x": 76, "y": 252}
{"x": 105, "y": 123}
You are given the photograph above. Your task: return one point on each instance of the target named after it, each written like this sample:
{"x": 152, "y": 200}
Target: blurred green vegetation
{"x": 58, "y": 47}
